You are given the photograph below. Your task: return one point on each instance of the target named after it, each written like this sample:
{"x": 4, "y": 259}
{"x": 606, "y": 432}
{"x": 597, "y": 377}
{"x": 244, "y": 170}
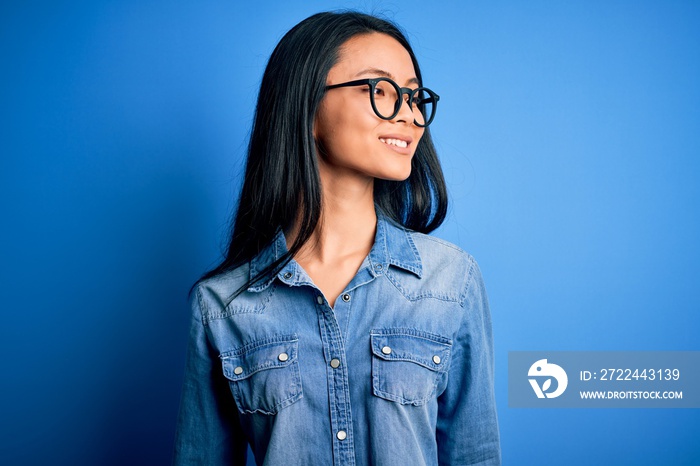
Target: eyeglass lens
{"x": 387, "y": 104}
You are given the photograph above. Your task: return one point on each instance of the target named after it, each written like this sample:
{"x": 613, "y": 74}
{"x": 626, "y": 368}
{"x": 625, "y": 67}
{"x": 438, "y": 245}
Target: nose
{"x": 405, "y": 111}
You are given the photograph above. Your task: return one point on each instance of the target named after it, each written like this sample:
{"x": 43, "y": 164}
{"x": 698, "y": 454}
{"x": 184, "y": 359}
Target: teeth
{"x": 394, "y": 142}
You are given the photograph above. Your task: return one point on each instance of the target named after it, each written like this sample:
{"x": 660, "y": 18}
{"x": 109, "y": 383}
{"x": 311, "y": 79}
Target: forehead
{"x": 374, "y": 51}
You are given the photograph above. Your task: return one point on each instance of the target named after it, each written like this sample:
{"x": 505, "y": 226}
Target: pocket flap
{"x": 428, "y": 350}
{"x": 245, "y": 361}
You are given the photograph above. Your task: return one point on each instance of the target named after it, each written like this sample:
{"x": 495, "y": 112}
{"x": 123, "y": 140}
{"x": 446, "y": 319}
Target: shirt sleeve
{"x": 208, "y": 428}
{"x": 467, "y": 426}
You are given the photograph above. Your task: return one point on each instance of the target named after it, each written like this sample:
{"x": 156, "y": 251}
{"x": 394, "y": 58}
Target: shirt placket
{"x": 338, "y": 385}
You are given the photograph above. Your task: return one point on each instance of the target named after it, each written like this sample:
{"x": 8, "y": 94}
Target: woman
{"x": 336, "y": 332}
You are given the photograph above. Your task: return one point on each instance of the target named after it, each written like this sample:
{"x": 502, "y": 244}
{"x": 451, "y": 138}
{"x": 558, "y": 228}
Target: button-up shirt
{"x": 398, "y": 372}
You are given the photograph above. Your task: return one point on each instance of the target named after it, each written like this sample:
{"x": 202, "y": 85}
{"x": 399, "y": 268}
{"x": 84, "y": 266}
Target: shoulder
{"x": 440, "y": 256}
{"x": 448, "y": 271}
{"x": 438, "y": 248}
{"x": 215, "y": 296}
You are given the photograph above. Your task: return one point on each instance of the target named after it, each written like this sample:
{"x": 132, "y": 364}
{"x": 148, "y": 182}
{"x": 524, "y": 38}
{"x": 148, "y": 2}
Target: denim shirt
{"x": 399, "y": 372}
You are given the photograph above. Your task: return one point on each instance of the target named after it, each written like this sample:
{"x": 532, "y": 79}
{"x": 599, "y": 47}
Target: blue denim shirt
{"x": 399, "y": 372}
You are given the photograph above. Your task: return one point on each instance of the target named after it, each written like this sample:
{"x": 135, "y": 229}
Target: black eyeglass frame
{"x": 400, "y": 91}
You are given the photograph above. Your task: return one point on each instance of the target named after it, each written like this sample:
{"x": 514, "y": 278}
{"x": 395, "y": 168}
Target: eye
{"x": 377, "y": 90}
{"x": 421, "y": 98}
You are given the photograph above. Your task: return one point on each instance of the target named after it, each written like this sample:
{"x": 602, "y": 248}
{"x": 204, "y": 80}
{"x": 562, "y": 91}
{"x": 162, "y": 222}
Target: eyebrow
{"x": 386, "y": 74}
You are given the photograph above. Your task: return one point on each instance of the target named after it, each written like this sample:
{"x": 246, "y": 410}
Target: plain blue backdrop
{"x": 569, "y": 133}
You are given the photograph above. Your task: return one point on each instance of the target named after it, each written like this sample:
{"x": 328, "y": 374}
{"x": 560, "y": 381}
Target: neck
{"x": 348, "y": 219}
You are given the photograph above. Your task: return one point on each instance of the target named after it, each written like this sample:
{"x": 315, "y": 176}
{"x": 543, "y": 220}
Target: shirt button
{"x": 346, "y": 297}
{"x": 378, "y": 266}
{"x": 238, "y": 370}
{"x": 436, "y": 359}
{"x": 335, "y": 363}
{"x": 341, "y": 435}
{"x": 288, "y": 275}
{"x": 319, "y": 299}
{"x": 386, "y": 350}
{"x": 284, "y": 356}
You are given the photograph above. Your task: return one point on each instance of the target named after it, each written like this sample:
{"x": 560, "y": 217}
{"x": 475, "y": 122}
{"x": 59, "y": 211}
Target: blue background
{"x": 569, "y": 133}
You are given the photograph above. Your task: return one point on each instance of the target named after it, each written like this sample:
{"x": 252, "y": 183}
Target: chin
{"x": 395, "y": 175}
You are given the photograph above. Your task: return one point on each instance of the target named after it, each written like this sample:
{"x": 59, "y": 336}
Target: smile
{"x": 394, "y": 142}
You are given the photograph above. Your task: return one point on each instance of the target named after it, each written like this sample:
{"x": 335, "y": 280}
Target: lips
{"x": 396, "y": 140}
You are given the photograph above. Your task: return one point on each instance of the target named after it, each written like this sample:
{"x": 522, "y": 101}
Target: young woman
{"x": 335, "y": 331}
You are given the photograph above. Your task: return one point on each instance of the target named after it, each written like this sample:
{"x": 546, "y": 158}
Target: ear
{"x": 314, "y": 131}
{"x": 320, "y": 149}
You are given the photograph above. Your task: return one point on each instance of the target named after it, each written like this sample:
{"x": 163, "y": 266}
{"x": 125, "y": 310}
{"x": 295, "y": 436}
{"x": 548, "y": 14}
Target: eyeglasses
{"x": 386, "y": 97}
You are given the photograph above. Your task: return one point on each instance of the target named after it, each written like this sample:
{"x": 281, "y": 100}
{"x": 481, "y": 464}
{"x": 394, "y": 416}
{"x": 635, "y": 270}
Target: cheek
{"x": 419, "y": 133}
{"x": 326, "y": 123}
{"x": 340, "y": 126}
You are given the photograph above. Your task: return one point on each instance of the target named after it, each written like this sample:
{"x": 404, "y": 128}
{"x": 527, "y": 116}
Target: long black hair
{"x": 282, "y": 185}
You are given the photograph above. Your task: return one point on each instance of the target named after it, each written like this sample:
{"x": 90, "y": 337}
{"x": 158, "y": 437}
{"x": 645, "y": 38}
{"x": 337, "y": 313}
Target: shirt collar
{"x": 393, "y": 246}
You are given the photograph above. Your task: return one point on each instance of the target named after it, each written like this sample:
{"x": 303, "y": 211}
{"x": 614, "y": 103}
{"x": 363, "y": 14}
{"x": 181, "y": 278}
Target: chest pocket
{"x": 264, "y": 375}
{"x": 407, "y": 364}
